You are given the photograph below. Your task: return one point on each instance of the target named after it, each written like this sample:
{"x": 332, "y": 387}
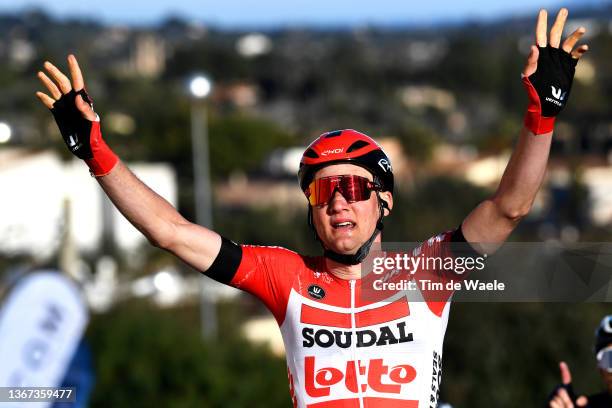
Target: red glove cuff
{"x": 104, "y": 159}
{"x": 534, "y": 121}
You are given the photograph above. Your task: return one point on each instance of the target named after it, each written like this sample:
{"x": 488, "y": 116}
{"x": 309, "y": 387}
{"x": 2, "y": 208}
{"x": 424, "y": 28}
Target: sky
{"x": 269, "y": 13}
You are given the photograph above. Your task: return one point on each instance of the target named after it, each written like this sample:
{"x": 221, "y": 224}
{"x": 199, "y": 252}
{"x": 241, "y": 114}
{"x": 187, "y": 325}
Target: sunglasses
{"x": 352, "y": 188}
{"x": 604, "y": 359}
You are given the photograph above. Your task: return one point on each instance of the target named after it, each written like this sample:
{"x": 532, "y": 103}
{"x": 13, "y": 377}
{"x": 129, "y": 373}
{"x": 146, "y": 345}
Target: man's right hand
{"x": 75, "y": 117}
{"x": 564, "y": 397}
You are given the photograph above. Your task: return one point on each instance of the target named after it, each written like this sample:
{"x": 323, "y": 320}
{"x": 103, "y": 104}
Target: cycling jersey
{"x": 344, "y": 349}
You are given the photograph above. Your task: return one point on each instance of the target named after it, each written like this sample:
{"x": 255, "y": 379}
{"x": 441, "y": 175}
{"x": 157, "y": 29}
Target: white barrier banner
{"x": 41, "y": 324}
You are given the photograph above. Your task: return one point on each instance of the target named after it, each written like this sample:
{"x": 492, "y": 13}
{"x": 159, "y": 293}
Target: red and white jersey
{"x": 345, "y": 349}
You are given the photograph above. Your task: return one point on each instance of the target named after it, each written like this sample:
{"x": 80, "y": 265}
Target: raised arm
{"x": 151, "y": 214}
{"x": 547, "y": 77}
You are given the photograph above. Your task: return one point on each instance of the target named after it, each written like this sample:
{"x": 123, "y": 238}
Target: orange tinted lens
{"x": 321, "y": 190}
{"x": 353, "y": 188}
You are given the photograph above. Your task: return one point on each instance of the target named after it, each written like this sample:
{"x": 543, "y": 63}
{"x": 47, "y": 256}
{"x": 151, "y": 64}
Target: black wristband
{"x": 460, "y": 247}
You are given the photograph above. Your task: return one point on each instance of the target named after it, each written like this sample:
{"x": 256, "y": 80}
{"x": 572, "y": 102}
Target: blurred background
{"x": 224, "y": 96}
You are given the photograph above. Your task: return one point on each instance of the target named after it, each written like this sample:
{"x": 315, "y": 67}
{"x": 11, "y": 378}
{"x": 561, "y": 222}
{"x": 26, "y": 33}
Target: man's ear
{"x": 387, "y": 198}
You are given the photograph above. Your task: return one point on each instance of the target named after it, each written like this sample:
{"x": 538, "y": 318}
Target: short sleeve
{"x": 443, "y": 248}
{"x": 267, "y": 273}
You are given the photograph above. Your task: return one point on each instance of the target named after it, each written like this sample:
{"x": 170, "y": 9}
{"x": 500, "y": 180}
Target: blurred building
{"x": 148, "y": 56}
{"x": 264, "y": 330}
{"x": 487, "y": 171}
{"x": 241, "y": 95}
{"x": 130, "y": 52}
{"x": 424, "y": 54}
{"x": 253, "y": 45}
{"x": 17, "y": 48}
{"x": 21, "y": 52}
{"x": 598, "y": 180}
{"x": 35, "y": 187}
{"x": 241, "y": 192}
{"x": 420, "y": 97}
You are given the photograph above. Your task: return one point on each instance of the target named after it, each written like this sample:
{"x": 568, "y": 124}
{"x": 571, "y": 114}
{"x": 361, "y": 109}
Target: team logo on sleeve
{"x": 316, "y": 292}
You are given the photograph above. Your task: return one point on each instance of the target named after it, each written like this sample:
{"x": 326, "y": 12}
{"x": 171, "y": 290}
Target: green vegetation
{"x": 507, "y": 355}
{"x": 147, "y": 358}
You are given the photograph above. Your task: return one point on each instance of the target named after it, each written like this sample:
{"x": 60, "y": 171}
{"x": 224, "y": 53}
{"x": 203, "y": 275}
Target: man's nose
{"x": 337, "y": 202}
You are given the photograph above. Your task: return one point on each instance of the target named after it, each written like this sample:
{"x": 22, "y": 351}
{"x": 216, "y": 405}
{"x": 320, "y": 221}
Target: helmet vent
{"x": 333, "y": 134}
{"x": 311, "y": 153}
{"x": 356, "y": 146}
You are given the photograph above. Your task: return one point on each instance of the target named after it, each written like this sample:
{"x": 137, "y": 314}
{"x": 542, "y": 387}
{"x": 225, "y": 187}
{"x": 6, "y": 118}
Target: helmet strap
{"x": 362, "y": 252}
{"x": 311, "y": 225}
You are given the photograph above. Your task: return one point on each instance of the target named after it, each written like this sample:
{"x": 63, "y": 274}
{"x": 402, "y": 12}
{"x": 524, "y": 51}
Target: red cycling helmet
{"x": 346, "y": 146}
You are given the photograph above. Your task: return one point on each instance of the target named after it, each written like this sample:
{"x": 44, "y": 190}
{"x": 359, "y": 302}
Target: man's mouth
{"x": 343, "y": 225}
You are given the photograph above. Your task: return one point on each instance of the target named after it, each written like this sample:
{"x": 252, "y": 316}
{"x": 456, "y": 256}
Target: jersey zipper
{"x": 352, "y": 283}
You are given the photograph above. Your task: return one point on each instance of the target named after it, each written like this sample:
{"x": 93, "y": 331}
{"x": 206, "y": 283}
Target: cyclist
{"x": 564, "y": 397}
{"x": 343, "y": 350}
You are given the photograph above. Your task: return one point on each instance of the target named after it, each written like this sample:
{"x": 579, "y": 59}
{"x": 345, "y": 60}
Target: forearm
{"x": 150, "y": 213}
{"x": 492, "y": 221}
{"x": 523, "y": 175}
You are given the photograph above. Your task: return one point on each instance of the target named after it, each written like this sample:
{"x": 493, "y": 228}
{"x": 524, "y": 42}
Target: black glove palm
{"x": 75, "y": 129}
{"x": 553, "y": 79}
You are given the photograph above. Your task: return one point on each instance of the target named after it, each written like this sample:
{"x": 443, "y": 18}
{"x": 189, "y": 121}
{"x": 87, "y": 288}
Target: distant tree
{"x": 435, "y": 205}
{"x": 507, "y": 355}
{"x": 146, "y": 358}
{"x": 240, "y": 142}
